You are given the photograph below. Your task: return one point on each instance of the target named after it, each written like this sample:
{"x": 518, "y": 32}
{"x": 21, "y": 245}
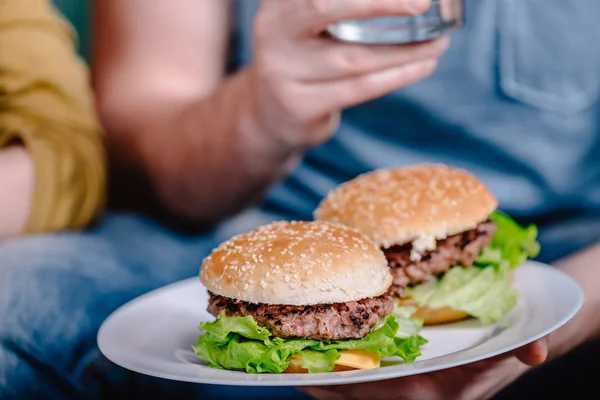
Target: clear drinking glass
{"x": 444, "y": 16}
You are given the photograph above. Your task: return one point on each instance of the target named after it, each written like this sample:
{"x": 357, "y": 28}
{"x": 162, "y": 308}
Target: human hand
{"x": 302, "y": 80}
{"x": 479, "y": 380}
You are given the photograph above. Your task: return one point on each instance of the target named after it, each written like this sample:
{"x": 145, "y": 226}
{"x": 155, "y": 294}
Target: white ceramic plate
{"x": 152, "y": 334}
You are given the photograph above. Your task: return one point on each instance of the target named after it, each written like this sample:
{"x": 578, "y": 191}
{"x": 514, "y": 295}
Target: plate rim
{"x": 329, "y": 379}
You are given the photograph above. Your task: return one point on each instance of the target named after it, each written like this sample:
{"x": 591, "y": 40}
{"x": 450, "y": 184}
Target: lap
{"x": 55, "y": 291}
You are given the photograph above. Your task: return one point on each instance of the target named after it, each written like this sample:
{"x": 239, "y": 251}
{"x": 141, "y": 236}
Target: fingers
{"x": 339, "y": 75}
{"x": 531, "y": 354}
{"x": 327, "y": 60}
{"x": 350, "y": 92}
{"x": 534, "y": 353}
{"x": 303, "y": 81}
{"x": 311, "y": 16}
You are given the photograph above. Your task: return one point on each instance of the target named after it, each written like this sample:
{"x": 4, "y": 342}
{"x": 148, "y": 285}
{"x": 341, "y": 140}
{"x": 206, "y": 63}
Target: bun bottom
{"x": 435, "y": 316}
{"x": 439, "y": 316}
{"x": 295, "y": 367}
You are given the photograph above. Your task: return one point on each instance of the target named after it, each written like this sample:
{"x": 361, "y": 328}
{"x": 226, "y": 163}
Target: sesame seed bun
{"x": 297, "y": 263}
{"x": 397, "y": 206}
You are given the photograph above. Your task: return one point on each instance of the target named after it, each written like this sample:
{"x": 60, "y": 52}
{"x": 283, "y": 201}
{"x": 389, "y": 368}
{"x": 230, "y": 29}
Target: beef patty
{"x": 350, "y": 320}
{"x": 460, "y": 249}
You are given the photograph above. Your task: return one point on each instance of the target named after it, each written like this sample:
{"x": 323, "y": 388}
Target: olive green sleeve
{"x": 46, "y": 105}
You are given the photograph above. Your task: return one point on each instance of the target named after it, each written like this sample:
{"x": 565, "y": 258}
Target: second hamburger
{"x": 450, "y": 252}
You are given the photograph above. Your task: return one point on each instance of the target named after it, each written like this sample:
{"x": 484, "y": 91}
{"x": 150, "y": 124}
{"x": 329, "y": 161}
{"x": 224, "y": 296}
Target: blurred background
{"x": 79, "y": 12}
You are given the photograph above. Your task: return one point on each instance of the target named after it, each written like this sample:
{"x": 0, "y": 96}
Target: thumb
{"x": 534, "y": 353}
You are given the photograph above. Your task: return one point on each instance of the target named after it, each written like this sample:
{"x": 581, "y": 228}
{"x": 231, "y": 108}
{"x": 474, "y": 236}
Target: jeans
{"x": 56, "y": 290}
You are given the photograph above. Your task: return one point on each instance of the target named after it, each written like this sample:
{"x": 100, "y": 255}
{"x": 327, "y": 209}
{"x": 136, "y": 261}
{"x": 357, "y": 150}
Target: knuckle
{"x": 287, "y": 96}
{"x": 352, "y": 60}
{"x": 358, "y": 88}
{"x": 368, "y": 85}
{"x": 267, "y": 65}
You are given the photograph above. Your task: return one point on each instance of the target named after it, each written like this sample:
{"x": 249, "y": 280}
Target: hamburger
{"x": 301, "y": 297}
{"x": 451, "y": 253}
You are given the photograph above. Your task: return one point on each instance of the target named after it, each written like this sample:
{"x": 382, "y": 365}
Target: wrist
{"x": 585, "y": 326}
{"x": 261, "y": 129}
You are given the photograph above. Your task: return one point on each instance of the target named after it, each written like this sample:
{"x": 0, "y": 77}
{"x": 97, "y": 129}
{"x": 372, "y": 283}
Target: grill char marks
{"x": 460, "y": 249}
{"x": 336, "y": 321}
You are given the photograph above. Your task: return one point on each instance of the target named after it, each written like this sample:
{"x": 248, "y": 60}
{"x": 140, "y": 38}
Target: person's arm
{"x": 209, "y": 144}
{"x": 584, "y": 267}
{"x": 52, "y": 168}
{"x": 16, "y": 178}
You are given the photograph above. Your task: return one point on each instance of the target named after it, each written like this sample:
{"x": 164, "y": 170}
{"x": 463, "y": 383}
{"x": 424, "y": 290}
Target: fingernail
{"x": 444, "y": 43}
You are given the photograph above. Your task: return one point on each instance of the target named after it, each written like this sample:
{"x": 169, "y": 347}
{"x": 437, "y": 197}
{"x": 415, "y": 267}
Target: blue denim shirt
{"x": 515, "y": 100}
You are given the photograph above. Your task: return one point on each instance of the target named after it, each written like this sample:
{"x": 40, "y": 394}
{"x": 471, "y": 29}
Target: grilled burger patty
{"x": 350, "y": 320}
{"x": 460, "y": 249}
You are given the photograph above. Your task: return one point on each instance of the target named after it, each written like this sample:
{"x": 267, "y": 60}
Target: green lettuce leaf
{"x": 484, "y": 293}
{"x": 382, "y": 340}
{"x": 238, "y": 343}
{"x": 238, "y": 354}
{"x": 407, "y": 324}
{"x": 319, "y": 361}
{"x": 220, "y": 329}
{"x": 515, "y": 243}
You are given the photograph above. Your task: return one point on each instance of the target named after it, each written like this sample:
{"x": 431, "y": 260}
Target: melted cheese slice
{"x": 359, "y": 359}
{"x": 349, "y": 359}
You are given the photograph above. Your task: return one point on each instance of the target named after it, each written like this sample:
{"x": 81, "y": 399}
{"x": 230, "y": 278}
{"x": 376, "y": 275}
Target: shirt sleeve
{"x": 46, "y": 105}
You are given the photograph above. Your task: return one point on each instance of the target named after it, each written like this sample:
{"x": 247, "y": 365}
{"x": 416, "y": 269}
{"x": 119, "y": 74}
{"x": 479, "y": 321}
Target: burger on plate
{"x": 450, "y": 252}
{"x": 301, "y": 297}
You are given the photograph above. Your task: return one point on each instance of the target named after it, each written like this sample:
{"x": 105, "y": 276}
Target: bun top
{"x": 398, "y": 206}
{"x": 297, "y": 263}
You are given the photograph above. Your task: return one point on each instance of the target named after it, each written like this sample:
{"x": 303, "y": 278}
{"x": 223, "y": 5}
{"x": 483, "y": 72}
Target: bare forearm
{"x": 171, "y": 115}
{"x": 16, "y": 186}
{"x": 584, "y": 267}
{"x": 210, "y": 159}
